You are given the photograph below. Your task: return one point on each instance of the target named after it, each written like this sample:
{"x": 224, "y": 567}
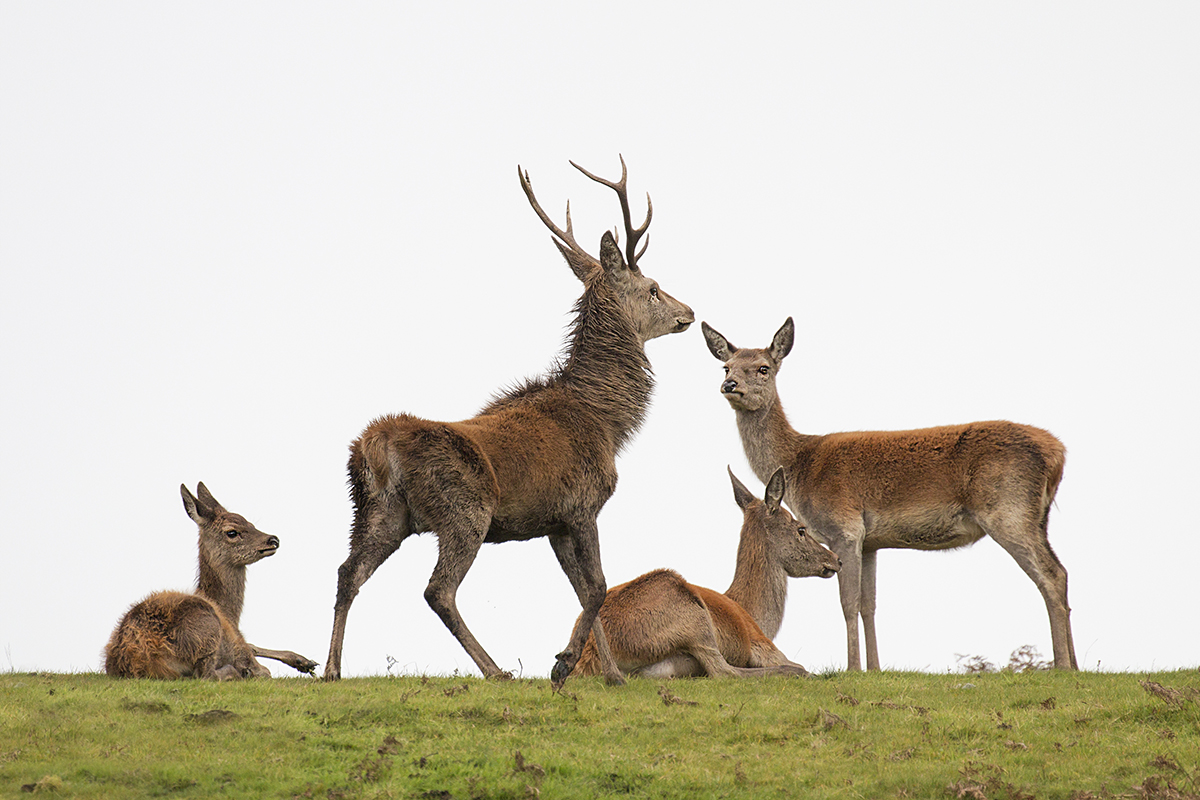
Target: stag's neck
{"x": 606, "y": 364}
{"x": 770, "y": 441}
{"x": 759, "y": 586}
{"x": 224, "y": 585}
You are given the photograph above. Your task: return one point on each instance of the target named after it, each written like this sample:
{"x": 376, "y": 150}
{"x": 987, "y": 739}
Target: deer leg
{"x": 867, "y": 607}
{"x": 293, "y": 660}
{"x": 850, "y": 590}
{"x": 564, "y": 550}
{"x": 581, "y": 562}
{"x": 1029, "y": 547}
{"x": 458, "y": 545}
{"x": 377, "y": 533}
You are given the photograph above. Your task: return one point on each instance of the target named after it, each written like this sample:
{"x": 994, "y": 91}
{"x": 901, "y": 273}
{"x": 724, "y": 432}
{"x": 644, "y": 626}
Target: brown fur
{"x": 659, "y": 625}
{"x": 539, "y": 460}
{"x": 928, "y": 489}
{"x": 179, "y": 635}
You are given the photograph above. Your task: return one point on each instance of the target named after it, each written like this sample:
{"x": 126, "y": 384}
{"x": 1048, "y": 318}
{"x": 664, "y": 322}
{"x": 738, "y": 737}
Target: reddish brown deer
{"x": 661, "y": 626}
{"x": 180, "y": 635}
{"x": 928, "y": 489}
{"x": 538, "y": 460}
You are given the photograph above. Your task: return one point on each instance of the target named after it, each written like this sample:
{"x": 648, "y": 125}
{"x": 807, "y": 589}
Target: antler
{"x": 567, "y": 236}
{"x": 632, "y": 235}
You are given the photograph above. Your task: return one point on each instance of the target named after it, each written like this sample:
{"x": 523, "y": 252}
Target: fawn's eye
{"x": 763, "y": 370}
{"x": 232, "y": 534}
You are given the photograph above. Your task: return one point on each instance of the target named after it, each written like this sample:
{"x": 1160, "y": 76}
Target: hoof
{"x": 614, "y": 680}
{"x": 502, "y": 675}
{"x": 558, "y": 675}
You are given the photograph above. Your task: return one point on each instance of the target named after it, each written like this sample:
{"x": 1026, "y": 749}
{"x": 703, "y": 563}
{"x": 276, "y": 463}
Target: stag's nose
{"x": 729, "y": 386}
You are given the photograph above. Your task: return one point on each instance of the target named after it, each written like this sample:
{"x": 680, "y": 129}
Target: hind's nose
{"x": 728, "y": 386}
{"x": 272, "y": 541}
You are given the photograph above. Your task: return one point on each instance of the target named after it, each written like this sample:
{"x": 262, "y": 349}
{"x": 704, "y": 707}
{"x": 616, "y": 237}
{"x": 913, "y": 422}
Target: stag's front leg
{"x": 578, "y": 553}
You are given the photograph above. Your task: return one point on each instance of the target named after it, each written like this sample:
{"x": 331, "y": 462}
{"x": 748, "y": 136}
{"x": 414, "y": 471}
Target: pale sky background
{"x": 231, "y": 234}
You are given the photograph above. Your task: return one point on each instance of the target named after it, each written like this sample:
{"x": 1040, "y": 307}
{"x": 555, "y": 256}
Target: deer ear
{"x": 741, "y": 495}
{"x": 196, "y": 509}
{"x": 581, "y": 267}
{"x": 781, "y": 345}
{"x": 718, "y": 345}
{"x": 775, "y": 489}
{"x": 610, "y": 255}
{"x": 205, "y": 496}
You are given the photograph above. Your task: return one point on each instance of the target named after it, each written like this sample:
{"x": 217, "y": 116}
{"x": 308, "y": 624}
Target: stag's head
{"x": 749, "y": 383}
{"x": 651, "y": 311}
{"x": 772, "y": 527}
{"x": 226, "y": 539}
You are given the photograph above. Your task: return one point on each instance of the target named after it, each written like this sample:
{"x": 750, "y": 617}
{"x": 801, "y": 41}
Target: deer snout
{"x": 729, "y": 386}
{"x": 271, "y": 546}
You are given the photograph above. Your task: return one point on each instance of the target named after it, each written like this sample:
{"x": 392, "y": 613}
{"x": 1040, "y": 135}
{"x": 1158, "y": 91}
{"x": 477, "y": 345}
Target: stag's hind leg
{"x": 458, "y": 544}
{"x": 1023, "y": 536}
{"x": 380, "y": 525}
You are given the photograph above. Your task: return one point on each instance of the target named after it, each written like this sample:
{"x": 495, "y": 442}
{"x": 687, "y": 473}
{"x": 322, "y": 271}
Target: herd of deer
{"x": 540, "y": 460}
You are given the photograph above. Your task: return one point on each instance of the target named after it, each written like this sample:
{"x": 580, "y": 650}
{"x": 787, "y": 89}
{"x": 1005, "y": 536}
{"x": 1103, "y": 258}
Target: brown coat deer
{"x": 181, "y": 635}
{"x": 928, "y": 489}
{"x": 539, "y": 460}
{"x": 661, "y": 626}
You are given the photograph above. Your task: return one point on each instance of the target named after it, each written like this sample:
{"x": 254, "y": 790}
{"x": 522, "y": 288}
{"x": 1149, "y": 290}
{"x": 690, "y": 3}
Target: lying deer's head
{"x": 226, "y": 539}
{"x": 749, "y": 383}
{"x": 784, "y": 541}
{"x": 651, "y": 310}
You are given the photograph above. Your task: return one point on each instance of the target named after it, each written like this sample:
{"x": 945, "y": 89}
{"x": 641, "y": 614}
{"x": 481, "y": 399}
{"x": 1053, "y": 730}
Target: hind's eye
{"x": 727, "y": 370}
{"x": 232, "y": 534}
{"x": 653, "y": 292}
{"x": 763, "y": 370}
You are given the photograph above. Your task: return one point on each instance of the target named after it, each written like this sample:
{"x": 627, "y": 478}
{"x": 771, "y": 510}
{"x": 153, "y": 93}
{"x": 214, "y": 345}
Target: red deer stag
{"x": 181, "y": 635}
{"x": 661, "y": 626}
{"x": 538, "y": 460}
{"x": 928, "y": 489}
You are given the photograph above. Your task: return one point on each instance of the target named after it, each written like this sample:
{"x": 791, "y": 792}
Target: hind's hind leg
{"x": 378, "y": 531}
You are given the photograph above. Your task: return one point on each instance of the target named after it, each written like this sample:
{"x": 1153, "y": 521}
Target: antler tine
{"x": 567, "y": 236}
{"x": 632, "y": 254}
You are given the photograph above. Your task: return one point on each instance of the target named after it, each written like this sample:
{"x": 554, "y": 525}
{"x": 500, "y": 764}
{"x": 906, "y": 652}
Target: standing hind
{"x": 539, "y": 460}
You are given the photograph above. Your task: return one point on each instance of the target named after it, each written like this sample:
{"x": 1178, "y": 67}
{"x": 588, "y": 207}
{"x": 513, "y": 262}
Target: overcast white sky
{"x": 231, "y": 234}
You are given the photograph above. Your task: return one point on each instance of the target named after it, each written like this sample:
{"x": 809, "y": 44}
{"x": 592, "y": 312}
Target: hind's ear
{"x": 741, "y": 495}
{"x": 197, "y": 509}
{"x": 775, "y": 489}
{"x": 781, "y": 345}
{"x": 721, "y": 348}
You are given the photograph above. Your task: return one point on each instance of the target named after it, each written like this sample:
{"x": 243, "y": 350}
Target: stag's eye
{"x": 763, "y": 370}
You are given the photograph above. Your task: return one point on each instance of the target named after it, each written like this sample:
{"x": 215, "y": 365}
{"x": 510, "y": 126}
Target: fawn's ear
{"x": 198, "y": 510}
{"x": 205, "y": 496}
{"x": 718, "y": 345}
{"x": 741, "y": 495}
{"x": 781, "y": 345}
{"x": 775, "y": 489}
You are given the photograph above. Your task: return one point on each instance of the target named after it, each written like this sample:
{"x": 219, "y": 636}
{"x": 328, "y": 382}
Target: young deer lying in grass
{"x": 661, "y": 626}
{"x": 539, "y": 460}
{"x": 182, "y": 635}
{"x": 927, "y": 489}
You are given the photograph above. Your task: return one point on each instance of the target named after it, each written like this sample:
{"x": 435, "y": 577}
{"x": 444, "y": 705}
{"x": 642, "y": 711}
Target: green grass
{"x": 881, "y": 735}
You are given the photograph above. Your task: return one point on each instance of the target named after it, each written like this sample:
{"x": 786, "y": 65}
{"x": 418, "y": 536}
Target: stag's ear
{"x": 741, "y": 494}
{"x": 718, "y": 345}
{"x": 198, "y": 510}
{"x": 580, "y": 266}
{"x": 775, "y": 489}
{"x": 610, "y": 255}
{"x": 781, "y": 345}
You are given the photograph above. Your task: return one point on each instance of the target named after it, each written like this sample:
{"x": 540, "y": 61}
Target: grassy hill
{"x": 882, "y": 735}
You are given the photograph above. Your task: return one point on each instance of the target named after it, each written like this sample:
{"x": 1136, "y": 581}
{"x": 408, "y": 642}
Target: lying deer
{"x": 661, "y": 626}
{"x": 928, "y": 489}
{"x": 538, "y": 460}
{"x": 182, "y": 635}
